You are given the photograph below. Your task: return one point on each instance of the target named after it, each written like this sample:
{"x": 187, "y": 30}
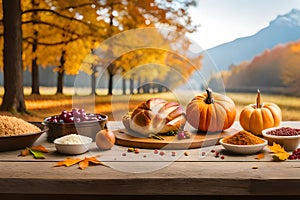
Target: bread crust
{"x": 155, "y": 116}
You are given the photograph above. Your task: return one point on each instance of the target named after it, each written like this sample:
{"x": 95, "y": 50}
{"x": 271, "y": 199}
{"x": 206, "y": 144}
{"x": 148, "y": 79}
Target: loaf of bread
{"x": 155, "y": 116}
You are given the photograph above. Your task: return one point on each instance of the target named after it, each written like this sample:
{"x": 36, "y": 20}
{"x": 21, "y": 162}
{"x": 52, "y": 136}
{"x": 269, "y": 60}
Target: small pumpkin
{"x": 211, "y": 112}
{"x": 257, "y": 117}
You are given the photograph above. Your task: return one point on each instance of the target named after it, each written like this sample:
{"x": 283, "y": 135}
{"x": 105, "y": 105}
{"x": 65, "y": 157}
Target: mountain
{"x": 283, "y": 29}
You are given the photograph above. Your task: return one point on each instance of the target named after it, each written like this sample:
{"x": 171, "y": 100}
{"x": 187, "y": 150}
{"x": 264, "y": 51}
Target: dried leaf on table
{"x": 87, "y": 160}
{"x": 83, "y": 162}
{"x": 40, "y": 148}
{"x": 68, "y": 162}
{"x": 260, "y": 156}
{"x": 280, "y": 153}
{"x": 36, "y": 151}
{"x": 37, "y": 154}
{"x": 25, "y": 152}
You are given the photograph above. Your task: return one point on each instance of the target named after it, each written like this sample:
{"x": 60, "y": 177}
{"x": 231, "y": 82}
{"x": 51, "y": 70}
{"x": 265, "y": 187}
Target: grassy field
{"x": 41, "y": 106}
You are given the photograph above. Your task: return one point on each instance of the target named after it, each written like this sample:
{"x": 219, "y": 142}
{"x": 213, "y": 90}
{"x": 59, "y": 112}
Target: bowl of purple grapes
{"x": 76, "y": 121}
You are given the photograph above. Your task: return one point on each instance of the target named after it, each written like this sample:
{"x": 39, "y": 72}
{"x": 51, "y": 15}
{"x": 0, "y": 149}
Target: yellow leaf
{"x": 279, "y": 151}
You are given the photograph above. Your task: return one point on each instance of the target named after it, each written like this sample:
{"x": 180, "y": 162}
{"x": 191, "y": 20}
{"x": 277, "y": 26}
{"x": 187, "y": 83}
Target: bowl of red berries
{"x": 76, "y": 121}
{"x": 287, "y": 137}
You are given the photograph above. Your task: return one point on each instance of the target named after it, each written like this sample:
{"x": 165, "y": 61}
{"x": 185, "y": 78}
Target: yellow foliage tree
{"x": 131, "y": 15}
{"x": 291, "y": 67}
{"x": 65, "y": 35}
{"x": 62, "y": 33}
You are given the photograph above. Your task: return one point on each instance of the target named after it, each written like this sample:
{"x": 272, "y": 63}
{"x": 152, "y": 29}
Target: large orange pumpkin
{"x": 256, "y": 117}
{"x": 211, "y": 112}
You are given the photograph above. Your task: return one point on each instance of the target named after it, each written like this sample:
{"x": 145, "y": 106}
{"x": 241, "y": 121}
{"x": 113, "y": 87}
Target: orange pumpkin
{"x": 211, "y": 112}
{"x": 256, "y": 117}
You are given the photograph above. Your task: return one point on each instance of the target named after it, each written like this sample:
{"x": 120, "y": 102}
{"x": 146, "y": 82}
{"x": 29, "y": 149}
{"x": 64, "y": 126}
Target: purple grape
{"x": 181, "y": 135}
{"x": 69, "y": 114}
{"x": 63, "y": 116}
{"x": 64, "y": 112}
{"x": 81, "y": 110}
{"x": 75, "y": 115}
{"x": 69, "y": 120}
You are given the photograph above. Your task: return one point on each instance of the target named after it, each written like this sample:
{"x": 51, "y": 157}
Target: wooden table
{"x": 187, "y": 173}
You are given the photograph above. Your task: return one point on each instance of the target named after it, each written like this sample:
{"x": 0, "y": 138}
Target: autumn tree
{"x": 274, "y": 70}
{"x": 13, "y": 99}
{"x": 33, "y": 47}
{"x": 59, "y": 33}
{"x": 130, "y": 15}
{"x": 65, "y": 33}
{"x": 291, "y": 68}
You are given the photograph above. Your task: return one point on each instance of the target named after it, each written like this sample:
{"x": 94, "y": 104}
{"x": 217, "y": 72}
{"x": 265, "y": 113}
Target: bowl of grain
{"x": 287, "y": 137}
{"x": 73, "y": 144}
{"x": 243, "y": 142}
{"x": 16, "y": 133}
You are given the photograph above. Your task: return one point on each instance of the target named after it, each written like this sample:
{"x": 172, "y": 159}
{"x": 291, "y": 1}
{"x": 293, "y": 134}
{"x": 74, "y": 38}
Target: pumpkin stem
{"x": 209, "y": 99}
{"x": 105, "y": 127}
{"x": 258, "y": 99}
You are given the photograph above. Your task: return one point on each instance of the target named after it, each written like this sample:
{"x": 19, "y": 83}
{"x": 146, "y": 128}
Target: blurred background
{"x": 107, "y": 51}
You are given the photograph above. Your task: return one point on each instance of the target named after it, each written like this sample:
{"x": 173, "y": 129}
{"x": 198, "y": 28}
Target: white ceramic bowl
{"x": 75, "y": 148}
{"x": 289, "y": 143}
{"x": 244, "y": 149}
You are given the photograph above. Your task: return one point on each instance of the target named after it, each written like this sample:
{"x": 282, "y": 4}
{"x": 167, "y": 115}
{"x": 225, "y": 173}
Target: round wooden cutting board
{"x": 128, "y": 138}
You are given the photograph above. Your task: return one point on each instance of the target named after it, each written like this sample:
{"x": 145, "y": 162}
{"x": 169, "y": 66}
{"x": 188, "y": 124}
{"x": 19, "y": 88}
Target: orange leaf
{"x": 68, "y": 162}
{"x": 25, "y": 152}
{"x": 94, "y": 160}
{"x": 40, "y": 148}
{"x": 85, "y": 163}
{"x": 260, "y": 156}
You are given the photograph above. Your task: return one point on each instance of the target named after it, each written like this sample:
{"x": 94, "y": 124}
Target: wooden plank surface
{"x": 180, "y": 178}
{"x": 147, "y": 173}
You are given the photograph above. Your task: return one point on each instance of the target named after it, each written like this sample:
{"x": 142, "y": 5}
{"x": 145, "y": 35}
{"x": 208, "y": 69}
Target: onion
{"x": 105, "y": 139}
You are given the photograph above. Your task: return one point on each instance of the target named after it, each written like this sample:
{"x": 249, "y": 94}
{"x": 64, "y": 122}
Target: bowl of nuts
{"x": 76, "y": 121}
{"x": 287, "y": 137}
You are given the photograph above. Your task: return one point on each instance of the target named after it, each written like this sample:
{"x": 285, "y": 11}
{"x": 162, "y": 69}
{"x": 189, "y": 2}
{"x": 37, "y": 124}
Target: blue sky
{"x": 225, "y": 20}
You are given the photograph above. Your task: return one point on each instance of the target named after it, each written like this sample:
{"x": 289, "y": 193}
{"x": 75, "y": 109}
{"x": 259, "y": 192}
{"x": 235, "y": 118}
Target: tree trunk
{"x": 146, "y": 88}
{"x": 139, "y": 88}
{"x": 124, "y": 85}
{"x": 61, "y": 73}
{"x": 13, "y": 99}
{"x": 131, "y": 86}
{"x": 93, "y": 80}
{"x": 35, "y": 83}
{"x": 110, "y": 83}
{"x": 35, "y": 68}
{"x": 60, "y": 82}
{"x": 159, "y": 88}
